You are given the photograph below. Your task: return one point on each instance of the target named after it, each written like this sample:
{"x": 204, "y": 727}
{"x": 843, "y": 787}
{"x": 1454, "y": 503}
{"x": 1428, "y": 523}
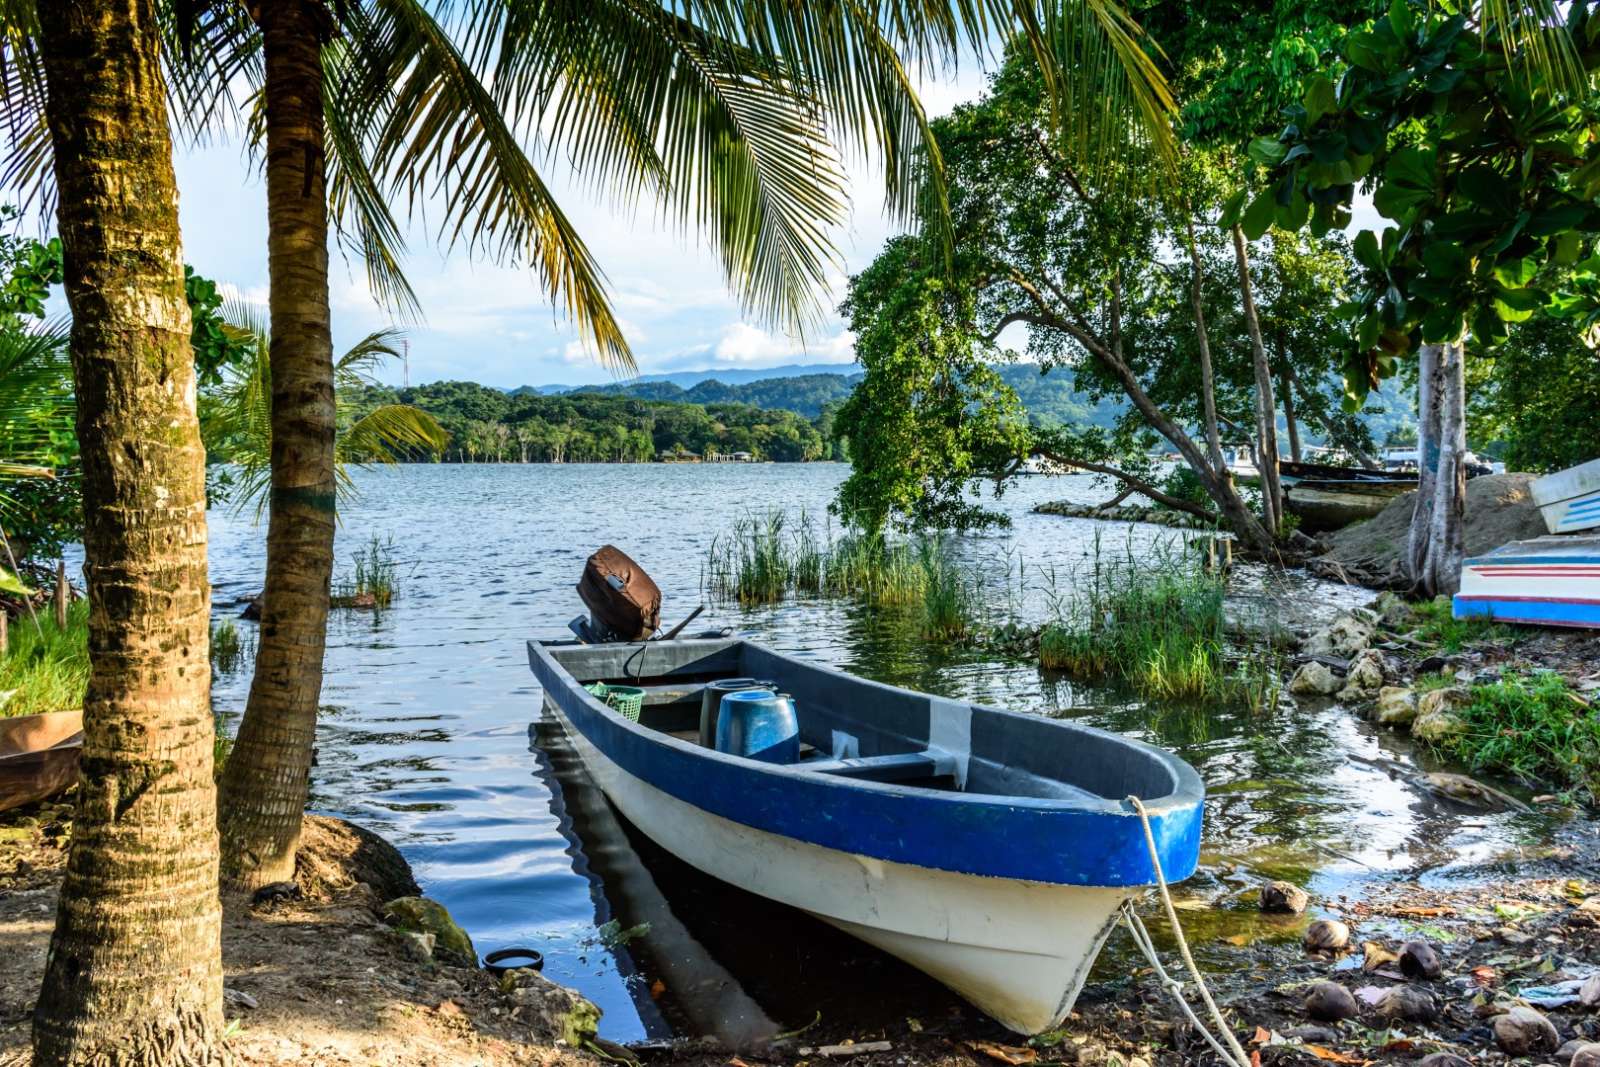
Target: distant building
{"x": 729, "y": 457}
{"x": 682, "y": 456}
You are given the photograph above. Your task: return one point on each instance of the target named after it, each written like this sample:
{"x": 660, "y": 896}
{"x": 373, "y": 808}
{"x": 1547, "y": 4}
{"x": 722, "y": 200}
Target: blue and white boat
{"x": 1546, "y": 581}
{"x": 1569, "y": 500}
{"x": 992, "y": 850}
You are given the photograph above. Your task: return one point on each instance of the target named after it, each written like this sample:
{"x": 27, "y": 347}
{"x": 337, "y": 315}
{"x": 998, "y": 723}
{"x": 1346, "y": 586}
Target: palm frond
{"x": 389, "y": 433}
{"x": 1536, "y": 41}
{"x": 443, "y": 143}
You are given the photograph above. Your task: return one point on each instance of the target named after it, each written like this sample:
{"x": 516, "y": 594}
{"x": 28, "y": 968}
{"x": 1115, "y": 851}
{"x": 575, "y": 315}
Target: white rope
{"x": 1234, "y": 1053}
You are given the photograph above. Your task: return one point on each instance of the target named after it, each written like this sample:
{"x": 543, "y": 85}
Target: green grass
{"x": 1158, "y": 624}
{"x": 949, "y": 601}
{"x": 48, "y": 672}
{"x": 1434, "y": 624}
{"x": 373, "y": 583}
{"x": 1532, "y": 727}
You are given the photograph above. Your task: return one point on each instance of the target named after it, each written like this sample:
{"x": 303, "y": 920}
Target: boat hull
{"x": 1548, "y": 581}
{"x": 1328, "y": 505}
{"x": 1018, "y": 950}
{"x": 1569, "y": 500}
{"x": 38, "y": 756}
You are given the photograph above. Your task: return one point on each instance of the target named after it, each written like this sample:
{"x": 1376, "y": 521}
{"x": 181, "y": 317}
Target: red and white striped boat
{"x": 1548, "y": 581}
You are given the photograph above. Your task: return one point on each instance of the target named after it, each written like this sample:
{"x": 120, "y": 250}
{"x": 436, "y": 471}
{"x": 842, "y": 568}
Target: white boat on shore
{"x": 1569, "y": 500}
{"x": 1548, "y": 581}
{"x": 993, "y": 851}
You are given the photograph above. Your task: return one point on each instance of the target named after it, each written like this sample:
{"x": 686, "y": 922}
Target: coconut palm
{"x": 134, "y": 971}
{"x": 237, "y": 416}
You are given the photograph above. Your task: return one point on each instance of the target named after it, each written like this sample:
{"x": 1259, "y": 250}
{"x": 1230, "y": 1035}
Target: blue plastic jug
{"x": 759, "y": 724}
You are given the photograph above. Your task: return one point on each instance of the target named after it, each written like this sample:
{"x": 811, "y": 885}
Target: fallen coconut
{"x": 1419, "y": 960}
{"x": 1327, "y": 935}
{"x": 1284, "y": 897}
{"x": 1523, "y": 1031}
{"x": 1330, "y": 1002}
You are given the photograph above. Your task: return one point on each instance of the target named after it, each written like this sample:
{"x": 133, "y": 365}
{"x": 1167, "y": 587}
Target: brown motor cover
{"x": 634, "y": 611}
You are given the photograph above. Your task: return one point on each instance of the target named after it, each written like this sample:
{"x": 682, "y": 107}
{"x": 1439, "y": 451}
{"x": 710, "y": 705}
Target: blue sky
{"x": 492, "y": 324}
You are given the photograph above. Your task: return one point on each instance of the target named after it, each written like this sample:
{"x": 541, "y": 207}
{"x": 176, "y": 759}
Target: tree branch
{"x": 1133, "y": 481}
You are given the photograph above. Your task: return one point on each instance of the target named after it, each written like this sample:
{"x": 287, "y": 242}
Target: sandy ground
{"x": 320, "y": 980}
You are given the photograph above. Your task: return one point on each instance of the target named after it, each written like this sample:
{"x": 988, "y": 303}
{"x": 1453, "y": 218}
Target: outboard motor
{"x": 624, "y": 602}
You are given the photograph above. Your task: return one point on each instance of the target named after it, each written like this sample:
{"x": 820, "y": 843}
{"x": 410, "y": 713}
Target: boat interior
{"x": 853, "y": 728}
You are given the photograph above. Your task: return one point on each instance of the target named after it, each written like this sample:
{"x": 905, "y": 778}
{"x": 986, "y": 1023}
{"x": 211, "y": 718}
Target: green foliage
{"x": 931, "y": 416}
{"x": 489, "y": 425}
{"x": 218, "y": 344}
{"x": 1533, "y": 405}
{"x": 45, "y": 668}
{"x": 1532, "y": 727}
{"x": 949, "y": 609}
{"x": 1477, "y": 139}
{"x": 374, "y": 581}
{"x": 227, "y": 650}
{"x": 754, "y": 563}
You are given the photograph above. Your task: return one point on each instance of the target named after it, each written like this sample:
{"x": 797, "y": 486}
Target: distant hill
{"x": 687, "y": 379}
{"x": 805, "y": 394}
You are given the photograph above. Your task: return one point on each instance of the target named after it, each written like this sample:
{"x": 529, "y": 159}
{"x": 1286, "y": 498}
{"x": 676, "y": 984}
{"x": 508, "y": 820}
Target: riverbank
{"x": 313, "y": 976}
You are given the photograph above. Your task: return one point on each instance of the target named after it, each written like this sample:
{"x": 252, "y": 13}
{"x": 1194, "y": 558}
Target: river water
{"x": 430, "y": 713}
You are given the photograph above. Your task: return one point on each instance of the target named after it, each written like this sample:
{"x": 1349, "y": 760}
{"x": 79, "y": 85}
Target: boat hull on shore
{"x": 38, "y": 756}
{"x": 1328, "y": 504}
{"x": 1004, "y": 897}
{"x": 1569, "y": 500}
{"x": 1547, "y": 581}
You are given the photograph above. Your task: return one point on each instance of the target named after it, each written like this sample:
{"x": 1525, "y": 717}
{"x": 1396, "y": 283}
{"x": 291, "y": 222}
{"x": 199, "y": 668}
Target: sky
{"x": 493, "y": 324}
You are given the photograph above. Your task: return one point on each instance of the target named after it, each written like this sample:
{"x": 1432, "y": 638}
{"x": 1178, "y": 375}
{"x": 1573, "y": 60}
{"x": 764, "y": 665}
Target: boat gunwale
{"x": 1182, "y": 795}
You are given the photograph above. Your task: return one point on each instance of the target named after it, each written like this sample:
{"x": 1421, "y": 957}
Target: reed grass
{"x": 374, "y": 581}
{"x": 227, "y": 648}
{"x": 46, "y": 668}
{"x": 764, "y": 559}
{"x": 1532, "y": 727}
{"x": 1158, "y": 624}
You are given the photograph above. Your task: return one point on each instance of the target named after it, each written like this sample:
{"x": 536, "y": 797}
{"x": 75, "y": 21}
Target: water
{"x": 425, "y": 732}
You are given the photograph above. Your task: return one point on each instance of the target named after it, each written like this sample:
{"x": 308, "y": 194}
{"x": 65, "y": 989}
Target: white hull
{"x": 1569, "y": 500}
{"x": 1018, "y": 950}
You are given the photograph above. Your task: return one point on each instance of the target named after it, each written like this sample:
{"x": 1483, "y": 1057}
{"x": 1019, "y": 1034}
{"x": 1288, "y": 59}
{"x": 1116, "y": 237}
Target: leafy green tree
{"x": 1475, "y": 132}
{"x": 1534, "y": 401}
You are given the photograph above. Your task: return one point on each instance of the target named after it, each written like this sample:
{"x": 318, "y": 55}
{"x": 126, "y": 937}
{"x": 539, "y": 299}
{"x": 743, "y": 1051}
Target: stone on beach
{"x": 1365, "y": 677}
{"x": 1589, "y": 992}
{"x": 1327, "y": 935}
{"x": 1436, "y": 725}
{"x": 1407, "y": 1004}
{"x": 1419, "y": 960}
{"x": 556, "y": 1010}
{"x": 1397, "y": 706}
{"x": 1579, "y": 1053}
{"x": 1330, "y": 1002}
{"x": 1284, "y": 897}
{"x": 1523, "y": 1031}
{"x": 1443, "y": 1059}
{"x": 421, "y": 915}
{"x": 1345, "y": 636}
{"x": 1315, "y": 679}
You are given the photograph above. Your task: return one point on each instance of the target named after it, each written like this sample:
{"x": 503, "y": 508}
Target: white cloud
{"x": 742, "y": 344}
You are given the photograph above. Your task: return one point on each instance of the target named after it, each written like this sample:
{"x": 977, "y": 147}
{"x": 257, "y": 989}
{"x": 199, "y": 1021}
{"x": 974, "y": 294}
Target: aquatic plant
{"x": 753, "y": 562}
{"x": 374, "y": 581}
{"x": 1157, "y": 622}
{"x": 1532, "y": 727}
{"x": 226, "y": 647}
{"x": 949, "y": 600}
{"x": 46, "y": 668}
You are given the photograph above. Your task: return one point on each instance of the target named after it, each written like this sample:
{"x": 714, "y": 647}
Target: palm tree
{"x": 35, "y": 414}
{"x": 236, "y": 419}
{"x": 134, "y": 971}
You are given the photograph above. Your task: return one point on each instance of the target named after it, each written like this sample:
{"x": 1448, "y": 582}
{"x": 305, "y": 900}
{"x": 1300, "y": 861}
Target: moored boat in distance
{"x": 992, "y": 850}
{"x": 1330, "y": 504}
{"x": 1548, "y": 581}
{"x": 1569, "y": 500}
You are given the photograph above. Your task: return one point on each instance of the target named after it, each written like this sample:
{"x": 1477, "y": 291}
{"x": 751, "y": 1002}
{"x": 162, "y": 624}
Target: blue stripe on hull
{"x": 1536, "y": 612}
{"x": 1002, "y": 837}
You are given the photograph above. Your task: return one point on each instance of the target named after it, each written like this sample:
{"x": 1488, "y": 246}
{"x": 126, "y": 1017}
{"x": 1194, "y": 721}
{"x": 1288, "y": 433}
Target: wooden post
{"x": 4, "y": 637}
{"x": 63, "y": 594}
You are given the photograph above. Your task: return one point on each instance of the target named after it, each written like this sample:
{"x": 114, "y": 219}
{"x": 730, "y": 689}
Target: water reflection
{"x": 428, "y": 706}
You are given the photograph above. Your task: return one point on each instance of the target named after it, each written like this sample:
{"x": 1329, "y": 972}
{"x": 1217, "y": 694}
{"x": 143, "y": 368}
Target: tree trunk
{"x": 267, "y": 778}
{"x": 1286, "y": 382}
{"x": 1436, "y": 546}
{"x": 134, "y": 972}
{"x": 1208, "y": 390}
{"x": 1266, "y": 409}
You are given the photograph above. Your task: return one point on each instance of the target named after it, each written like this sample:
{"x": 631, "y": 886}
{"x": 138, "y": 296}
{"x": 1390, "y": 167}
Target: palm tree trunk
{"x": 267, "y": 778}
{"x": 134, "y": 972}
